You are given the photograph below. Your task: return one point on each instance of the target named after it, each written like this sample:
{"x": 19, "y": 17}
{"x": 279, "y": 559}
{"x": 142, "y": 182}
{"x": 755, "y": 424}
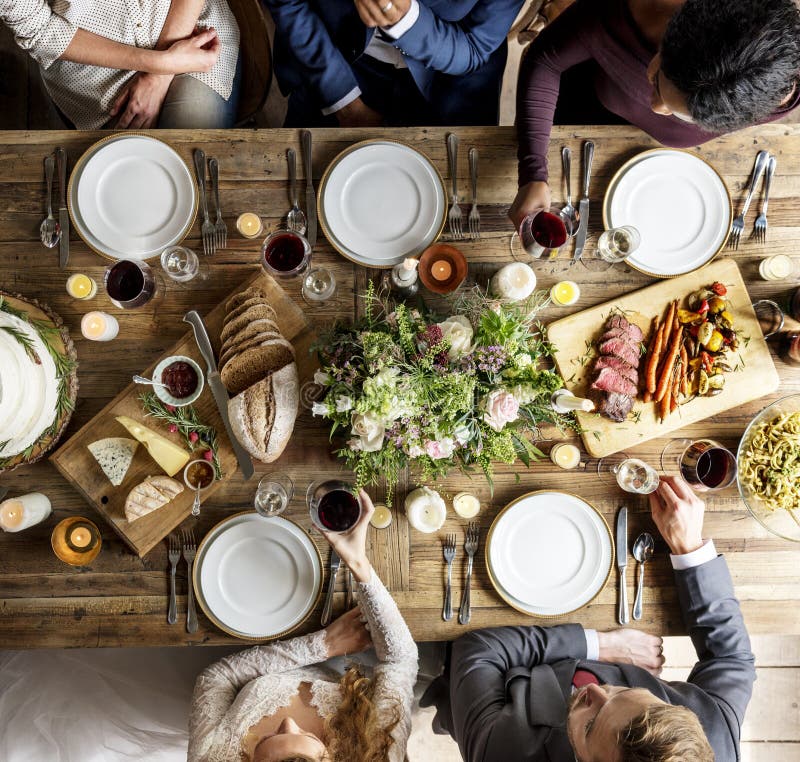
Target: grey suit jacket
{"x": 504, "y": 697}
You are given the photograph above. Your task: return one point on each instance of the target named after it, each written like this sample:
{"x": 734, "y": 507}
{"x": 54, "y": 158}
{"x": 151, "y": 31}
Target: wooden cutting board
{"x": 79, "y": 467}
{"x": 574, "y": 336}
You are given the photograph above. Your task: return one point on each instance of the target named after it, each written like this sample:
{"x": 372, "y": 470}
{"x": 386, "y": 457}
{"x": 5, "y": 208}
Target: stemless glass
{"x": 285, "y": 253}
{"x": 543, "y": 232}
{"x": 704, "y": 464}
{"x": 273, "y": 494}
{"x": 333, "y": 505}
{"x": 129, "y": 283}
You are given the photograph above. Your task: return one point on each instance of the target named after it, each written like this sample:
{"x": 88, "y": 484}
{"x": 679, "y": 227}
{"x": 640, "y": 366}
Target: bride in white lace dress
{"x": 281, "y": 703}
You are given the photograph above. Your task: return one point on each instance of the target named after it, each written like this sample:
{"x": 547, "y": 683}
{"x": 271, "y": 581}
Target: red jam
{"x": 180, "y": 378}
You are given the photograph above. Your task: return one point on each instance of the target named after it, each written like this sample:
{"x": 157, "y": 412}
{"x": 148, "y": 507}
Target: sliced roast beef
{"x": 622, "y": 349}
{"x": 609, "y": 380}
{"x": 615, "y": 363}
{"x": 619, "y": 321}
{"x": 619, "y": 333}
{"x": 616, "y": 406}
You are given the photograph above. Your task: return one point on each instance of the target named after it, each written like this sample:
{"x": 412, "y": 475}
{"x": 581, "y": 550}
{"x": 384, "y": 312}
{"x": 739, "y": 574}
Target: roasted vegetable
{"x": 704, "y": 333}
{"x": 717, "y": 381}
{"x": 714, "y": 344}
{"x": 687, "y": 317}
{"x": 703, "y": 385}
{"x": 716, "y": 305}
{"x": 719, "y": 288}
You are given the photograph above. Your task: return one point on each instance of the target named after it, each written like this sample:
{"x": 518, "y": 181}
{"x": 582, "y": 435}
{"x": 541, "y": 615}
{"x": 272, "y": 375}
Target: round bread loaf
{"x": 256, "y": 312}
{"x": 252, "y": 365}
{"x": 237, "y": 299}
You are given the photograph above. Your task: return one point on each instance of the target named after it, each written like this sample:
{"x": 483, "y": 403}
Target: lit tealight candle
{"x": 382, "y": 517}
{"x": 80, "y": 537}
{"x": 466, "y": 505}
{"x": 514, "y": 282}
{"x": 426, "y": 510}
{"x": 22, "y": 512}
{"x": 776, "y": 267}
{"x": 441, "y": 269}
{"x": 565, "y": 455}
{"x": 565, "y": 293}
{"x": 249, "y": 225}
{"x": 99, "y": 326}
{"x": 80, "y": 286}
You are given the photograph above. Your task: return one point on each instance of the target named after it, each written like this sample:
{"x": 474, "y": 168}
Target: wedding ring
{"x": 387, "y": 7}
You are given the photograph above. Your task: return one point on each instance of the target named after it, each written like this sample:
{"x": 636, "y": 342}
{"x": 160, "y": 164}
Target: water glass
{"x": 273, "y": 494}
{"x": 319, "y": 284}
{"x": 617, "y": 244}
{"x": 180, "y": 264}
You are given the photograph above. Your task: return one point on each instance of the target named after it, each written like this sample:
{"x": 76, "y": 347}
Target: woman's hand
{"x": 529, "y": 198}
{"x": 352, "y": 546}
{"x": 139, "y": 102}
{"x": 347, "y": 635}
{"x": 197, "y": 53}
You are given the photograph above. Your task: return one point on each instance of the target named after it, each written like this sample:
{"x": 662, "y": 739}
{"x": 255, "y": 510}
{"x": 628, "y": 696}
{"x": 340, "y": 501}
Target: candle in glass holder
{"x": 565, "y": 293}
{"x": 382, "y": 517}
{"x": 76, "y": 541}
{"x": 565, "y": 455}
{"x": 466, "y": 505}
{"x": 249, "y": 225}
{"x": 22, "y": 512}
{"x": 776, "y": 267}
{"x": 99, "y": 326}
{"x": 514, "y": 282}
{"x": 441, "y": 269}
{"x": 80, "y": 286}
{"x": 425, "y": 509}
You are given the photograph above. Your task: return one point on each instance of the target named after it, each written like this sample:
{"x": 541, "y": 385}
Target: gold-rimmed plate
{"x": 257, "y": 578}
{"x": 130, "y": 196}
{"x": 381, "y": 201}
{"x": 679, "y": 204}
{"x": 549, "y": 553}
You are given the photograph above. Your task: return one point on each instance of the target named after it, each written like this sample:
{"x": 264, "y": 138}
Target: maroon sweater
{"x": 602, "y": 31}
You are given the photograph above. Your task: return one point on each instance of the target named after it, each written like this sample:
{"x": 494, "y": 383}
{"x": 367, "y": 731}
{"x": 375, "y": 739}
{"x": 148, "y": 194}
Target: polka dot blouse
{"x": 85, "y": 93}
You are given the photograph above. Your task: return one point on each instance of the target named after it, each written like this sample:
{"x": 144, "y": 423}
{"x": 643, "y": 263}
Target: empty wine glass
{"x": 180, "y": 264}
{"x": 319, "y": 284}
{"x": 273, "y": 494}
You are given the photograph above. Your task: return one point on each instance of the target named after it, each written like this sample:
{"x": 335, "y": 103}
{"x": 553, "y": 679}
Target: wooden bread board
{"x": 756, "y": 378}
{"x": 79, "y": 467}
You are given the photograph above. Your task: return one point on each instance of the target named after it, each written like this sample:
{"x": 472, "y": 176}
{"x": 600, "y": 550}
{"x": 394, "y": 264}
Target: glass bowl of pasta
{"x": 769, "y": 468}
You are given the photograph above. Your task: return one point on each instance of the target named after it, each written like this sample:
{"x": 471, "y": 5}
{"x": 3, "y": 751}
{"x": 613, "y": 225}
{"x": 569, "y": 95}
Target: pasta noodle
{"x": 770, "y": 467}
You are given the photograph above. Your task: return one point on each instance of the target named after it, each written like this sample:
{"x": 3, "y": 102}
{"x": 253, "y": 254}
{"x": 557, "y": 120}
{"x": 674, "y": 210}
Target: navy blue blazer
{"x": 317, "y": 40}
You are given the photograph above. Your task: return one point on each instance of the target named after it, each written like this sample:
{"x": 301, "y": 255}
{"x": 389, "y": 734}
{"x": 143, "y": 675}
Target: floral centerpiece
{"x": 465, "y": 391}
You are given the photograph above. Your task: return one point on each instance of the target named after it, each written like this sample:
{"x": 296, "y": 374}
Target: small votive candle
{"x": 22, "y": 512}
{"x": 466, "y": 505}
{"x": 99, "y": 326}
{"x": 776, "y": 267}
{"x": 382, "y": 517}
{"x": 80, "y": 286}
{"x": 76, "y": 541}
{"x": 249, "y": 225}
{"x": 565, "y": 455}
{"x": 441, "y": 270}
{"x": 565, "y": 293}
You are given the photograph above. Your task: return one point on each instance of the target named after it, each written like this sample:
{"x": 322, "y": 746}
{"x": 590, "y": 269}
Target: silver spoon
{"x": 296, "y": 219}
{"x": 568, "y": 209}
{"x": 148, "y": 382}
{"x": 196, "y": 503}
{"x": 642, "y": 552}
{"x": 49, "y": 230}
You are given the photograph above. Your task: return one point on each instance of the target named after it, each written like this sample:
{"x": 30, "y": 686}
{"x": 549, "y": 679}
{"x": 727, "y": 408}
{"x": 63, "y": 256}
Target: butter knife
{"x": 583, "y": 205}
{"x": 311, "y": 199}
{"x": 63, "y": 214}
{"x": 218, "y": 389}
{"x": 327, "y": 609}
{"x": 622, "y": 563}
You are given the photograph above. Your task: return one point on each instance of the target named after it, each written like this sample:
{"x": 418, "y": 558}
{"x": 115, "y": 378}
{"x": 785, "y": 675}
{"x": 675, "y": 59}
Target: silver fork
{"x": 220, "y": 228}
{"x": 454, "y": 215}
{"x": 207, "y": 230}
{"x": 449, "y": 552}
{"x": 188, "y": 556}
{"x": 738, "y": 224}
{"x": 296, "y": 219}
{"x": 760, "y": 230}
{"x": 470, "y": 547}
{"x": 174, "y": 555}
{"x": 474, "y": 215}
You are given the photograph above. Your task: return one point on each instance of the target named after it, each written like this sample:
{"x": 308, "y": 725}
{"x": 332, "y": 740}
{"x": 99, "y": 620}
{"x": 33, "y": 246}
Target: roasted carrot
{"x": 684, "y": 386}
{"x": 669, "y": 361}
{"x": 652, "y": 359}
{"x": 676, "y": 385}
{"x": 663, "y": 407}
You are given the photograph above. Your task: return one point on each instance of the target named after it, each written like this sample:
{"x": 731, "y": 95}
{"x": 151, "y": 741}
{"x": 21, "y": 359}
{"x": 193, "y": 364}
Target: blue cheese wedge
{"x": 114, "y": 456}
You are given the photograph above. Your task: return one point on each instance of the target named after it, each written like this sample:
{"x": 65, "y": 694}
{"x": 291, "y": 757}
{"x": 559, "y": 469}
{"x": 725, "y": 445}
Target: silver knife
{"x": 583, "y": 206}
{"x": 218, "y": 389}
{"x": 311, "y": 199}
{"x": 622, "y": 562}
{"x": 327, "y": 609}
{"x": 63, "y": 214}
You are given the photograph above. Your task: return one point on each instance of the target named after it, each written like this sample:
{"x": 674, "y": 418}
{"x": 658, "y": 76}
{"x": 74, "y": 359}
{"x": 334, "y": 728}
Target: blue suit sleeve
{"x": 324, "y": 67}
{"x": 459, "y": 47}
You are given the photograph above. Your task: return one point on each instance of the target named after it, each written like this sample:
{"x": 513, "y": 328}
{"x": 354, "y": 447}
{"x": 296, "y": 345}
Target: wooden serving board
{"x": 755, "y": 377}
{"x": 79, "y": 467}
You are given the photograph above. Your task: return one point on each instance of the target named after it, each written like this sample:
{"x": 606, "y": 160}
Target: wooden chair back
{"x": 256, "y": 56}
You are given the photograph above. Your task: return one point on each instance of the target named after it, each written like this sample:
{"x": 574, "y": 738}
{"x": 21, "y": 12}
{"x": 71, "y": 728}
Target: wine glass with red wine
{"x": 543, "y": 232}
{"x": 130, "y": 283}
{"x": 704, "y": 464}
{"x": 333, "y": 505}
{"x": 285, "y": 253}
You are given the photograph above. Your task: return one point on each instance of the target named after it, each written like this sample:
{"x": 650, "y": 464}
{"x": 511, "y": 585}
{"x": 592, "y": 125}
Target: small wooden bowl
{"x": 455, "y": 260}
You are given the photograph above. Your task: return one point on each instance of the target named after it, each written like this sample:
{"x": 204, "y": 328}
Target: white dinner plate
{"x": 381, "y": 201}
{"x": 132, "y": 196}
{"x": 549, "y": 553}
{"x": 257, "y": 577}
{"x": 678, "y": 203}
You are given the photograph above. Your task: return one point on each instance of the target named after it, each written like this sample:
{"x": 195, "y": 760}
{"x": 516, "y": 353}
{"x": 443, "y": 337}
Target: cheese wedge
{"x": 114, "y": 456}
{"x": 150, "y": 495}
{"x": 171, "y": 457}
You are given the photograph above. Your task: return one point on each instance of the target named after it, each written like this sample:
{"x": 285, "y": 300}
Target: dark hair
{"x": 734, "y": 60}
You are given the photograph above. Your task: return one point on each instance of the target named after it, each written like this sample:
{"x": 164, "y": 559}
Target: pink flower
{"x": 501, "y": 408}
{"x": 441, "y": 448}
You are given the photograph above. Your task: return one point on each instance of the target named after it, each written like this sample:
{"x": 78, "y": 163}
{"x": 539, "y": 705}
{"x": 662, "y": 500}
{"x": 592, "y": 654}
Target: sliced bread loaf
{"x": 240, "y": 346}
{"x": 242, "y": 296}
{"x": 256, "y": 312}
{"x": 255, "y": 301}
{"x": 251, "y": 365}
{"x": 248, "y": 331}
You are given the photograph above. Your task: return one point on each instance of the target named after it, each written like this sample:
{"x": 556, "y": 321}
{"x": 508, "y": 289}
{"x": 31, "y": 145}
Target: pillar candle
{"x": 425, "y": 510}
{"x": 563, "y": 401}
{"x": 99, "y": 326}
{"x": 20, "y": 513}
{"x": 514, "y": 282}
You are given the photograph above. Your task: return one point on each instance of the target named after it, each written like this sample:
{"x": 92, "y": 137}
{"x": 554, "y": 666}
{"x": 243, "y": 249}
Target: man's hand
{"x": 678, "y": 514}
{"x": 626, "y": 646}
{"x": 352, "y": 545}
{"x": 530, "y": 198}
{"x": 358, "y": 114}
{"x": 139, "y": 102}
{"x": 196, "y": 53}
{"x": 347, "y": 635}
{"x": 381, "y": 12}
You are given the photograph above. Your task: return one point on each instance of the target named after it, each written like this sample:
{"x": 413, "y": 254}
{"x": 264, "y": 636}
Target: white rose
{"x": 522, "y": 360}
{"x": 458, "y": 331}
{"x": 369, "y": 429}
{"x": 321, "y": 378}
{"x": 319, "y": 408}
{"x": 462, "y": 434}
{"x": 415, "y": 451}
{"x": 501, "y": 408}
{"x": 343, "y": 404}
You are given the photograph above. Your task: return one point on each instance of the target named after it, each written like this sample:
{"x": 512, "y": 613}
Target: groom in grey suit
{"x": 557, "y": 694}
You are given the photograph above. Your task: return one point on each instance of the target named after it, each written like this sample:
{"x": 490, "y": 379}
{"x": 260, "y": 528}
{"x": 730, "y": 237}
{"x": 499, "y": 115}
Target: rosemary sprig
{"x": 25, "y": 341}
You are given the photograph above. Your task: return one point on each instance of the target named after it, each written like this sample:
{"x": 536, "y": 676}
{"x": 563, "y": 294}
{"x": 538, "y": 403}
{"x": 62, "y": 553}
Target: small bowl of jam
{"x": 182, "y": 380}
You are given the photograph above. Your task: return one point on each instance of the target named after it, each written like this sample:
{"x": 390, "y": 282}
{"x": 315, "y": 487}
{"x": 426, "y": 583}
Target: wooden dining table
{"x": 121, "y": 599}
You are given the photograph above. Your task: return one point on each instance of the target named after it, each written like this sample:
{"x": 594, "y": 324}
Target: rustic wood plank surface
{"x": 122, "y": 599}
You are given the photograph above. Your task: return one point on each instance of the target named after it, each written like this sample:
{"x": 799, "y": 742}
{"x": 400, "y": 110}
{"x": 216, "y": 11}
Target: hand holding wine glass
{"x": 352, "y": 545}
{"x": 678, "y": 514}
{"x": 530, "y": 198}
